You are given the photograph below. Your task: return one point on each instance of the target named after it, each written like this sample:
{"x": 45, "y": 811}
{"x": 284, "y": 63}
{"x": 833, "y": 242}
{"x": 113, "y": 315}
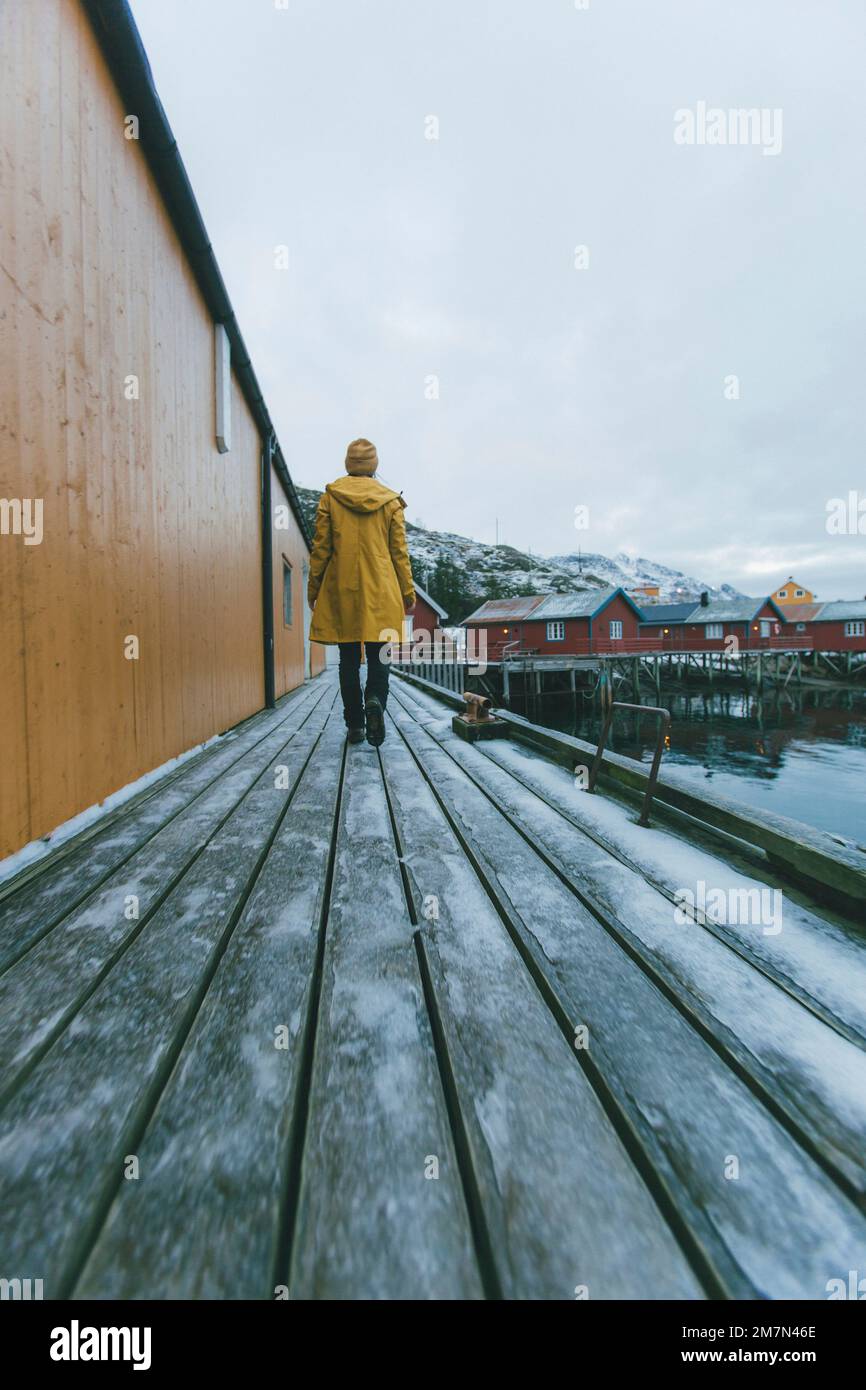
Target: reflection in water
{"x": 798, "y": 753}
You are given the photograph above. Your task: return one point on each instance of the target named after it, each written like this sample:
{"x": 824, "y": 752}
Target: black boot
{"x": 375, "y": 717}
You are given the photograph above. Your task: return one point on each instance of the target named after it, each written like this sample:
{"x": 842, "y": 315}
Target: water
{"x": 799, "y": 754}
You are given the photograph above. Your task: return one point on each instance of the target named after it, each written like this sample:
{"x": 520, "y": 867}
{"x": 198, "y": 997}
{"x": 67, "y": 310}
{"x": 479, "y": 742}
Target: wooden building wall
{"x": 426, "y": 618}
{"x": 289, "y": 549}
{"x": 148, "y": 530}
{"x": 831, "y": 637}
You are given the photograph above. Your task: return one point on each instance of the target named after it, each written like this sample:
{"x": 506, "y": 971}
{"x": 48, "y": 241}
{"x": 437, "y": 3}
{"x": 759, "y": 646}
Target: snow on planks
{"x": 49, "y": 983}
{"x": 208, "y": 1215}
{"x": 818, "y": 957}
{"x": 373, "y": 1222}
{"x": 330, "y": 1090}
{"x": 66, "y": 1134}
{"x": 781, "y": 1227}
{"x": 564, "y": 1209}
{"x": 76, "y": 870}
{"x": 804, "y": 1069}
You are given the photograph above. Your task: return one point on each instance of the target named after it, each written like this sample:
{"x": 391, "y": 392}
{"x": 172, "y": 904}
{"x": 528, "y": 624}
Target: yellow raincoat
{"x": 360, "y": 573}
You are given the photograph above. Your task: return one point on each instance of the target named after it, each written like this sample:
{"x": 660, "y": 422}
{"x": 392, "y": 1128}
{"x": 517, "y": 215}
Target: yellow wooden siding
{"x": 287, "y": 545}
{"x": 789, "y": 590}
{"x": 149, "y": 531}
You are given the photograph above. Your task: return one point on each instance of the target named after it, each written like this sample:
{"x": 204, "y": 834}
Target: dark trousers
{"x": 350, "y": 679}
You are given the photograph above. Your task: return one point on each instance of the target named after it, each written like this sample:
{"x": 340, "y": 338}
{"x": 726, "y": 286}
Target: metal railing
{"x": 663, "y": 646}
{"x": 664, "y": 726}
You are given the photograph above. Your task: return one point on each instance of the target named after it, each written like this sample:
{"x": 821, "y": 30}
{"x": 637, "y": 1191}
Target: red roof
{"x": 501, "y": 610}
{"x": 801, "y": 612}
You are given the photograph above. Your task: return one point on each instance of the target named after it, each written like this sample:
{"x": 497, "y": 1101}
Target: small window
{"x": 801, "y": 627}
{"x": 556, "y": 632}
{"x": 856, "y": 628}
{"x": 223, "y": 388}
{"x": 714, "y": 630}
{"x": 799, "y": 593}
{"x": 783, "y": 593}
{"x": 615, "y": 630}
{"x": 287, "y": 594}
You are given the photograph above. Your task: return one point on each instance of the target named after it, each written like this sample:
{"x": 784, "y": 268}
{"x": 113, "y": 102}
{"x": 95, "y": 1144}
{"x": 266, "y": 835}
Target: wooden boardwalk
{"x": 416, "y": 1023}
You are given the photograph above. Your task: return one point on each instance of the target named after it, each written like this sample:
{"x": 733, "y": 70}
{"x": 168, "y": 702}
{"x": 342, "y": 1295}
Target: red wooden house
{"x": 663, "y": 625}
{"x": 500, "y": 620}
{"x": 755, "y": 623}
{"x": 428, "y": 615}
{"x": 593, "y": 620}
{"x": 608, "y": 622}
{"x": 597, "y": 620}
{"x": 839, "y": 626}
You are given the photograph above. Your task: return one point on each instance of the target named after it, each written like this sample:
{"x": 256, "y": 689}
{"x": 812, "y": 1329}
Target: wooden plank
{"x": 63, "y": 880}
{"x": 206, "y": 1218}
{"x": 807, "y": 852}
{"x": 563, "y": 1203}
{"x": 822, "y": 961}
{"x": 43, "y": 991}
{"x": 370, "y": 1225}
{"x": 815, "y": 1077}
{"x": 783, "y": 1227}
{"x": 66, "y": 1133}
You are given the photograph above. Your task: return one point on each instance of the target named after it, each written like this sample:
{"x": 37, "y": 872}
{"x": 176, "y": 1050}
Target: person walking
{"x": 360, "y": 584}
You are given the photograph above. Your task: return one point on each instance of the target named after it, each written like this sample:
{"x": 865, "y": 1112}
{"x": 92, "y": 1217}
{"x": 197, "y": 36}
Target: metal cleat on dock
{"x": 479, "y": 719}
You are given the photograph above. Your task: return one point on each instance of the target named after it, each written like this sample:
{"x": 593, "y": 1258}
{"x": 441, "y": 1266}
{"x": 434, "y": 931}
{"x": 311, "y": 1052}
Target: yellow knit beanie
{"x": 361, "y": 458}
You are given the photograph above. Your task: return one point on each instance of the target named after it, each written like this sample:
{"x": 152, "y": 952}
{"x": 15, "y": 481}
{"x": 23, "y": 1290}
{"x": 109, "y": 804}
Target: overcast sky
{"x": 411, "y": 258}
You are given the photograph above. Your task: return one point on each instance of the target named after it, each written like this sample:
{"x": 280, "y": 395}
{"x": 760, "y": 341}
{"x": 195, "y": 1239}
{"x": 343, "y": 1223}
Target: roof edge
{"x": 428, "y": 599}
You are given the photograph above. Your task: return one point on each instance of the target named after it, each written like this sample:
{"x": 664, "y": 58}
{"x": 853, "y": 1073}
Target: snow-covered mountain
{"x": 461, "y": 572}
{"x": 629, "y": 571}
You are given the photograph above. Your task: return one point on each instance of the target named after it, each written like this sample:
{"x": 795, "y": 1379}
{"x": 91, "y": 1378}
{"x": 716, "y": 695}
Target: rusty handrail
{"x": 664, "y": 729}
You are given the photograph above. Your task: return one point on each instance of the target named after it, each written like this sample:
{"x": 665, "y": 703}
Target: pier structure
{"x": 525, "y": 678}
{"x": 312, "y": 1020}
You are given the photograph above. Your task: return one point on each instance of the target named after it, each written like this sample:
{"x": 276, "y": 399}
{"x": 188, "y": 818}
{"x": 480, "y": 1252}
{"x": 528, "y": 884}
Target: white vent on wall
{"x": 223, "y": 368}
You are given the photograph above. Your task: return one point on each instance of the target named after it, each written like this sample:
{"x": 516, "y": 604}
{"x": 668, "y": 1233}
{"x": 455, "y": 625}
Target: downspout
{"x": 267, "y": 575}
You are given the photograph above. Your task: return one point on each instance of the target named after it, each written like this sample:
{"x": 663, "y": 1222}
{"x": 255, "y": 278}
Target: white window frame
{"x": 799, "y": 593}
{"x": 713, "y": 630}
{"x": 615, "y": 629}
{"x": 764, "y": 630}
{"x": 223, "y": 389}
{"x": 783, "y": 593}
{"x": 556, "y": 630}
{"x": 801, "y": 627}
{"x": 855, "y": 627}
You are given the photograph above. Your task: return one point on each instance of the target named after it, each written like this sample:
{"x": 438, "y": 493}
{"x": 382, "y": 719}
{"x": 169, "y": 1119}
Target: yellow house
{"x": 792, "y": 592}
